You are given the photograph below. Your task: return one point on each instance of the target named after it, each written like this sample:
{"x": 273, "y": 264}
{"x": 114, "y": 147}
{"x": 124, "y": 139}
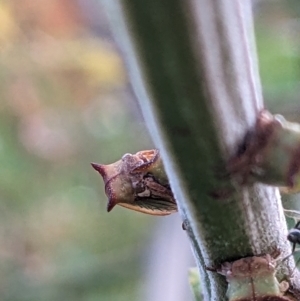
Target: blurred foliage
{"x": 64, "y": 104}
{"x": 277, "y": 24}
{"x": 194, "y": 280}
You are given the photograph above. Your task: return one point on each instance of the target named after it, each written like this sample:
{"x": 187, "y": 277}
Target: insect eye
{"x": 138, "y": 186}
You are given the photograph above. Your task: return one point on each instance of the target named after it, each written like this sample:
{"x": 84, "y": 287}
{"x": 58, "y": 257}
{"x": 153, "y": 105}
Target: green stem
{"x": 193, "y": 72}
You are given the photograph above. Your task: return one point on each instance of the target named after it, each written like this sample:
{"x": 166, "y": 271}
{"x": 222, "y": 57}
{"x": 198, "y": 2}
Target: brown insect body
{"x": 138, "y": 182}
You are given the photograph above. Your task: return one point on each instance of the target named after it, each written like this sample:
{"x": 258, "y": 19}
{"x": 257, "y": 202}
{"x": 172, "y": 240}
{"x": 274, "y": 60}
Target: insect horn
{"x": 99, "y": 167}
{"x": 104, "y": 171}
{"x": 111, "y": 204}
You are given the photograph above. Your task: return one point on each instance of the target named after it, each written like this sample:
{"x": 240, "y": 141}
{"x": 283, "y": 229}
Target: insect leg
{"x": 297, "y": 225}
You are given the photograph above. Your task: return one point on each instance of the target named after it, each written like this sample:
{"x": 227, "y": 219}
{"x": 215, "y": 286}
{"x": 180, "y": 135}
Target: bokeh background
{"x": 66, "y": 102}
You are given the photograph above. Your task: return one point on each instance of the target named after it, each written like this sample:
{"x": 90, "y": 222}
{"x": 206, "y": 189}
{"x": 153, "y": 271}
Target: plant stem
{"x": 194, "y": 72}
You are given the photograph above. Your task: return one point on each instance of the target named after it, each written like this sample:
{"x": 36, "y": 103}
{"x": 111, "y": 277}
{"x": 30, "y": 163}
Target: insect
{"x": 294, "y": 233}
{"x": 294, "y": 236}
{"x": 138, "y": 182}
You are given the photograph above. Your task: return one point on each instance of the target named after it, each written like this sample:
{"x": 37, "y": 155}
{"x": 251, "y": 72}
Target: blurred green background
{"x": 277, "y": 29}
{"x": 65, "y": 102}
